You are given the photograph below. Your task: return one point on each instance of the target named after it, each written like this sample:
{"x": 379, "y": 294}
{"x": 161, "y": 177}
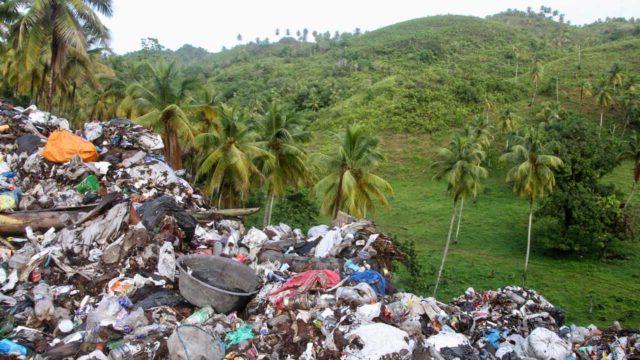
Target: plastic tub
{"x": 225, "y": 284}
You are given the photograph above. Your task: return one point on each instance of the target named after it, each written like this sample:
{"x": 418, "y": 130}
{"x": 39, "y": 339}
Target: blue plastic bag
{"x": 8, "y": 347}
{"x": 372, "y": 278}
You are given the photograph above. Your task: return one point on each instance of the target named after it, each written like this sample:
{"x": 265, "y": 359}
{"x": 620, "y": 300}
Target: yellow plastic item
{"x": 63, "y": 145}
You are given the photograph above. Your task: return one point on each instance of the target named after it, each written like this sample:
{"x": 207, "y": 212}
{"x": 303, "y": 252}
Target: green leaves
{"x": 533, "y": 173}
{"x": 460, "y": 164}
{"x": 349, "y": 184}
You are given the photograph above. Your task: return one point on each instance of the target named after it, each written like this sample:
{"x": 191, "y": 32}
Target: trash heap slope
{"x": 107, "y": 252}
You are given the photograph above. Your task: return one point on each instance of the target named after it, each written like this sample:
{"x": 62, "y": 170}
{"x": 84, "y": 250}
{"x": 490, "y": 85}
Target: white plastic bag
{"x": 544, "y": 344}
{"x": 167, "y": 261}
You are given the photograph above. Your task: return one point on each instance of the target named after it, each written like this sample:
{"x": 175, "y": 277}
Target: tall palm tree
{"x": 459, "y": 163}
{"x": 282, "y": 136}
{"x": 65, "y": 24}
{"x": 230, "y": 150}
{"x": 163, "y": 103}
{"x": 616, "y": 77}
{"x": 516, "y": 56}
{"x": 585, "y": 90}
{"x": 479, "y": 130}
{"x": 350, "y": 185}
{"x": 508, "y": 120}
{"x": 551, "y": 112}
{"x": 489, "y": 107}
{"x": 507, "y": 123}
{"x": 532, "y": 174}
{"x": 604, "y": 98}
{"x": 633, "y": 153}
{"x": 535, "y": 74}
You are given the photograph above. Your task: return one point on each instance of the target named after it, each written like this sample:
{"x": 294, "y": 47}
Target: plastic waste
{"x": 153, "y": 211}
{"x": 192, "y": 342}
{"x": 446, "y": 338}
{"x": 199, "y": 316}
{"x": 89, "y": 184}
{"x": 42, "y": 299}
{"x": 126, "y": 351}
{"x": 372, "y": 278}
{"x": 359, "y": 294}
{"x": 63, "y": 145}
{"x": 131, "y": 321}
{"x": 167, "y": 261}
{"x": 29, "y": 143}
{"x": 326, "y": 246}
{"x": 544, "y": 344}
{"x": 8, "y": 347}
{"x": 243, "y": 333}
{"x": 9, "y": 200}
{"x": 379, "y": 340}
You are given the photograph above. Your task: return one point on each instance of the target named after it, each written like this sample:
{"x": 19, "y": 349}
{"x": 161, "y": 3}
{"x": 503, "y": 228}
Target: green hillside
{"x": 420, "y": 75}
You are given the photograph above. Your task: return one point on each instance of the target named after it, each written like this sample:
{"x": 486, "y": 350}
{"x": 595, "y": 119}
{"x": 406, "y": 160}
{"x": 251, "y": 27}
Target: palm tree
{"x": 633, "y": 153}
{"x": 532, "y": 174}
{"x": 507, "y": 121}
{"x": 282, "y": 135}
{"x": 585, "y": 90}
{"x": 535, "y": 75}
{"x": 516, "y": 56}
{"x": 480, "y": 131}
{"x": 604, "y": 97}
{"x": 230, "y": 150}
{"x": 489, "y": 107}
{"x": 459, "y": 162}
{"x": 163, "y": 103}
{"x": 65, "y": 24}
{"x": 551, "y": 112}
{"x": 349, "y": 184}
{"x": 616, "y": 77}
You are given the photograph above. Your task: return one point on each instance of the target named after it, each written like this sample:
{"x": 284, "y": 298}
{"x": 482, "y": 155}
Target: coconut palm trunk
{"x": 535, "y": 90}
{"x": 455, "y": 241}
{"x": 517, "y": 71}
{"x": 446, "y": 246}
{"x": 339, "y": 191}
{"x": 633, "y": 191}
{"x": 526, "y": 258}
{"x": 601, "y": 116}
{"x": 50, "y": 89}
{"x": 268, "y": 209}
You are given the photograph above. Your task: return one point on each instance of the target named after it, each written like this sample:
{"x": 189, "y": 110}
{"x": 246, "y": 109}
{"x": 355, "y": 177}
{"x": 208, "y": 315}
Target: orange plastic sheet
{"x": 63, "y": 145}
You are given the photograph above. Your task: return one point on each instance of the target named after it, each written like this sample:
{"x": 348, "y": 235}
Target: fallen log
{"x": 39, "y": 220}
{"x": 209, "y": 215}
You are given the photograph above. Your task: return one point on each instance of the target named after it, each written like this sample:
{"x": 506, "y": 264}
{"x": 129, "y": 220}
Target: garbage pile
{"x": 107, "y": 252}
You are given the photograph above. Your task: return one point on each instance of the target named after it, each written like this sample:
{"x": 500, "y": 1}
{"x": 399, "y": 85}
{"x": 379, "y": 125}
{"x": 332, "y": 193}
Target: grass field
{"x": 491, "y": 249}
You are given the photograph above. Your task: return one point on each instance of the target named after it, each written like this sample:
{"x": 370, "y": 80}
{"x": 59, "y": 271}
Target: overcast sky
{"x": 212, "y": 24}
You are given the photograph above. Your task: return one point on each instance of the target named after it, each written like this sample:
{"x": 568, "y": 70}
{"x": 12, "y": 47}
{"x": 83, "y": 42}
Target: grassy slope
{"x": 491, "y": 249}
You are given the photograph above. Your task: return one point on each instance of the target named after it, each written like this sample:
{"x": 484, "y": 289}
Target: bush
{"x": 588, "y": 218}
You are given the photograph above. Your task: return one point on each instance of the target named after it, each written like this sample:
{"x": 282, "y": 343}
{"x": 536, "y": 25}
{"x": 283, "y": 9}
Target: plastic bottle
{"x": 126, "y": 351}
{"x": 199, "y": 316}
{"x": 132, "y": 321}
{"x": 8, "y": 347}
{"x": 143, "y": 332}
{"x": 43, "y": 308}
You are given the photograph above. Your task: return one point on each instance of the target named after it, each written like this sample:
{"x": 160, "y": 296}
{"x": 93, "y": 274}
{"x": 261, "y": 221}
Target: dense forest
{"x": 313, "y": 122}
